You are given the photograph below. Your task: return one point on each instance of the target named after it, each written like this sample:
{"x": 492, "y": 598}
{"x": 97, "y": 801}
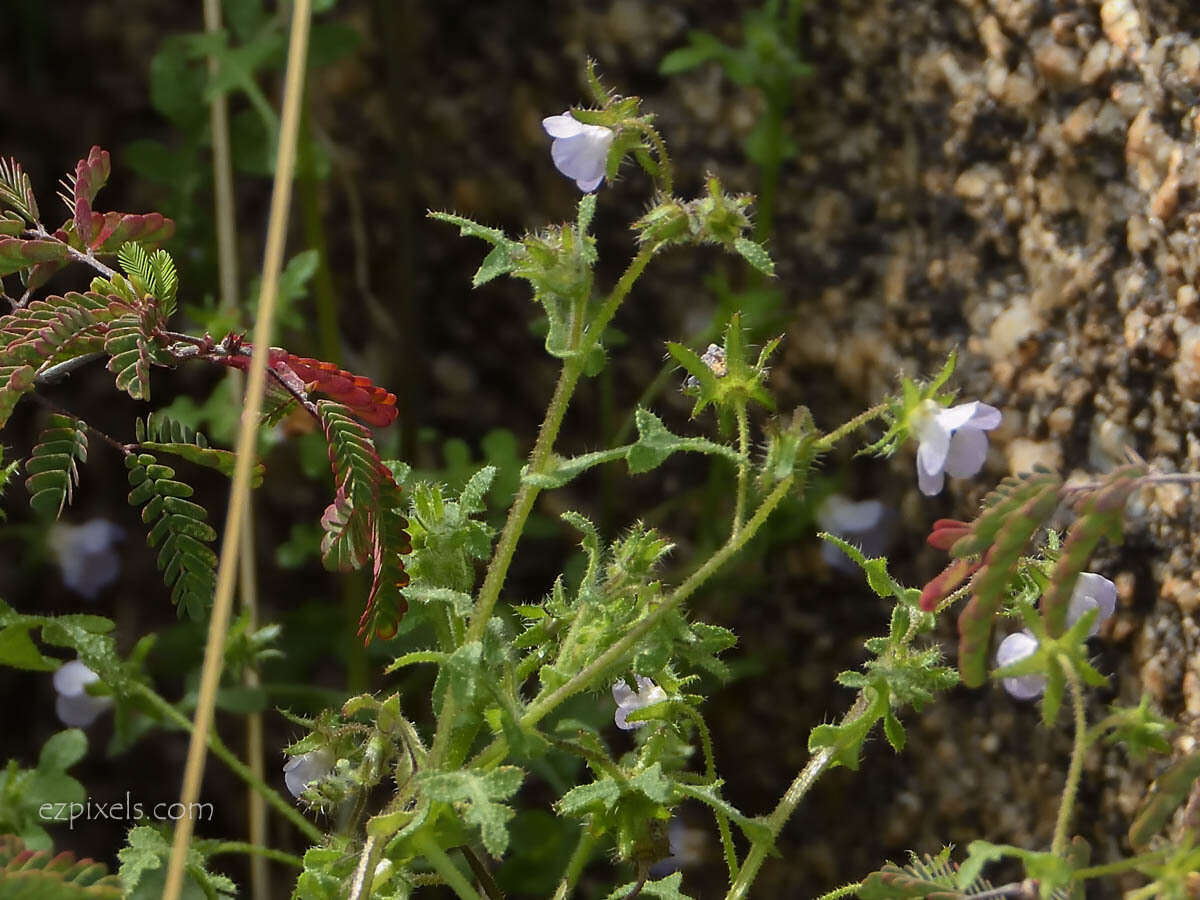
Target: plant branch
{"x": 853, "y": 425}
{"x": 444, "y": 866}
{"x": 743, "y": 467}
{"x": 817, "y": 764}
{"x": 256, "y": 851}
{"x": 1075, "y": 771}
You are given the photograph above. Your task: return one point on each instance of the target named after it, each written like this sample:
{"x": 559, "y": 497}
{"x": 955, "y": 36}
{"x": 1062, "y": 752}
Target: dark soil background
{"x": 1015, "y": 178}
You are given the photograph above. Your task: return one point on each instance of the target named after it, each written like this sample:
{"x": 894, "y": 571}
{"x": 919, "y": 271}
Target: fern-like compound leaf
{"x": 159, "y": 433}
{"x": 180, "y": 531}
{"x": 42, "y": 875}
{"x": 44, "y": 333}
{"x": 1100, "y": 515}
{"x": 1039, "y": 497}
{"x": 130, "y": 358}
{"x": 52, "y": 468}
{"x": 16, "y": 191}
{"x": 364, "y": 521}
{"x": 930, "y": 877}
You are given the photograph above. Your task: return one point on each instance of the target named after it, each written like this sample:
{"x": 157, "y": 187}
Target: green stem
{"x": 1121, "y": 865}
{"x": 843, "y": 891}
{"x": 527, "y": 494}
{"x": 710, "y": 773}
{"x": 665, "y": 177}
{"x": 289, "y": 859}
{"x": 1075, "y": 771}
{"x": 364, "y": 872}
{"x": 743, "y": 467}
{"x": 580, "y": 681}
{"x": 575, "y": 865}
{"x": 853, "y": 425}
{"x": 444, "y": 866}
{"x": 239, "y": 768}
{"x": 817, "y": 764}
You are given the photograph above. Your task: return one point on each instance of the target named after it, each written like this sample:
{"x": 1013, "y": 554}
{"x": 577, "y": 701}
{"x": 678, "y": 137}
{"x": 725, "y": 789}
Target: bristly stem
{"x": 853, "y": 425}
{"x": 444, "y": 865}
{"x": 817, "y": 764}
{"x": 844, "y": 891}
{"x": 541, "y": 706}
{"x": 256, "y": 851}
{"x": 1075, "y": 771}
{"x": 666, "y": 176}
{"x": 527, "y": 494}
{"x": 743, "y": 467}
{"x": 579, "y": 858}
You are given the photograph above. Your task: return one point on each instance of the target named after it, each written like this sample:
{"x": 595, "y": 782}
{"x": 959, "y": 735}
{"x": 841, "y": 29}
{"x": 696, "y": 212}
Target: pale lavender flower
{"x": 951, "y": 441}
{"x": 1091, "y": 591}
{"x": 86, "y": 555}
{"x": 74, "y": 706}
{"x": 864, "y": 524}
{"x": 648, "y": 693}
{"x": 579, "y": 151}
{"x": 301, "y": 771}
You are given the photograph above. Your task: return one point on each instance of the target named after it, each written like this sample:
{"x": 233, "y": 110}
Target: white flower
{"x": 863, "y": 524}
{"x": 85, "y": 555}
{"x": 951, "y": 441}
{"x": 74, "y": 706}
{"x": 579, "y": 151}
{"x": 1012, "y": 649}
{"x": 301, "y": 771}
{"x": 648, "y": 693}
{"x": 1091, "y": 591}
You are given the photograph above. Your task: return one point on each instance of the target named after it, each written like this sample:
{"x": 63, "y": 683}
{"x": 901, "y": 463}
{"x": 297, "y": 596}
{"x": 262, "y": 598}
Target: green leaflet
{"x": 478, "y": 796}
{"x": 180, "y": 531}
{"x": 159, "y": 433}
{"x": 52, "y": 466}
{"x": 1170, "y": 790}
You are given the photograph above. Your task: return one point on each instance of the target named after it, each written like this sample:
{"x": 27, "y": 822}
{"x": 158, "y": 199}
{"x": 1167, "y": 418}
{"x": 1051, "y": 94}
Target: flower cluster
{"x": 1091, "y": 591}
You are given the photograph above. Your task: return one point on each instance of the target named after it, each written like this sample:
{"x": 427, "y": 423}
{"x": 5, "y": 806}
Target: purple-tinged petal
{"x": 967, "y": 453}
{"x": 957, "y": 416}
{"x": 985, "y": 417}
{"x": 622, "y": 693}
{"x": 930, "y": 483}
{"x": 1012, "y": 649}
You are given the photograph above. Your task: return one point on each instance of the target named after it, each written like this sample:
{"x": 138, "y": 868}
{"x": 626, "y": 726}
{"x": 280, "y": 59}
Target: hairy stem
{"x": 522, "y": 505}
{"x": 256, "y": 851}
{"x": 844, "y": 891}
{"x": 579, "y": 858}
{"x": 444, "y": 866}
{"x": 853, "y": 425}
{"x": 582, "y": 680}
{"x": 1075, "y": 771}
{"x": 743, "y": 467}
{"x": 246, "y": 445}
{"x": 817, "y": 764}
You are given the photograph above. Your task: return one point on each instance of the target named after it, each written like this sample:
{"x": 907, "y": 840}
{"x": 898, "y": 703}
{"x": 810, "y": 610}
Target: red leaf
{"x": 90, "y": 176}
{"x": 115, "y": 228}
{"x": 17, "y": 254}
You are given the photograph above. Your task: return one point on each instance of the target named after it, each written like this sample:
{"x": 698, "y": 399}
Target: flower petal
{"x": 621, "y": 717}
{"x": 79, "y": 710}
{"x": 930, "y": 483}
{"x": 985, "y": 417}
{"x": 957, "y": 416}
{"x": 1100, "y": 591}
{"x": 587, "y": 185}
{"x": 1013, "y": 648}
{"x": 967, "y": 452}
{"x": 564, "y": 126}
{"x": 622, "y": 693}
{"x": 72, "y": 677}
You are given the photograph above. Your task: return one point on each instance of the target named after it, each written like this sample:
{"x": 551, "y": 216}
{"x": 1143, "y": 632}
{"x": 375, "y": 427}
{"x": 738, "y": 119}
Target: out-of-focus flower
{"x": 579, "y": 151}
{"x": 688, "y": 848}
{"x": 1091, "y": 591}
{"x": 86, "y": 555}
{"x": 951, "y": 441}
{"x": 74, "y": 706}
{"x": 628, "y": 700}
{"x": 301, "y": 771}
{"x": 863, "y": 524}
